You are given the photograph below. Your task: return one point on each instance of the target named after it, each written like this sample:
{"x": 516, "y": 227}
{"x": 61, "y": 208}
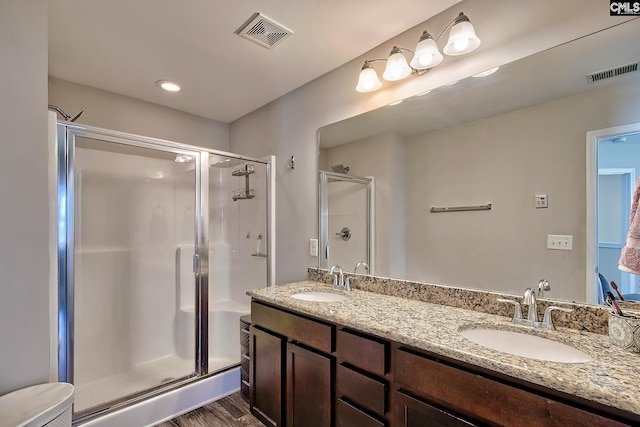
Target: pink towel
{"x": 630, "y": 256}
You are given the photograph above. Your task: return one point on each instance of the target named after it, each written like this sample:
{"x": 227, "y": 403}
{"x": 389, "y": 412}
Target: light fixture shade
{"x": 368, "y": 80}
{"x": 397, "y": 67}
{"x": 427, "y": 53}
{"x": 462, "y": 38}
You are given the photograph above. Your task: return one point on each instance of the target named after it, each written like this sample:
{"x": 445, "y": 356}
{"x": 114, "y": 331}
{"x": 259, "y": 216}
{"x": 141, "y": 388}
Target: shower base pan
{"x": 160, "y": 408}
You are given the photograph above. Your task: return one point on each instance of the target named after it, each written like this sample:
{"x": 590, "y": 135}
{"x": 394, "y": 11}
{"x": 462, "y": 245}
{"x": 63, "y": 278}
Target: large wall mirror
{"x": 502, "y": 139}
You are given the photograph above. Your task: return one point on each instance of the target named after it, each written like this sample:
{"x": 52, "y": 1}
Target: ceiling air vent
{"x": 263, "y": 31}
{"x": 612, "y": 72}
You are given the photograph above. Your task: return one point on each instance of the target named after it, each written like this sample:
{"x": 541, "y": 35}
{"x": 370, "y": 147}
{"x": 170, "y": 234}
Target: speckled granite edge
{"x": 610, "y": 378}
{"x": 585, "y": 317}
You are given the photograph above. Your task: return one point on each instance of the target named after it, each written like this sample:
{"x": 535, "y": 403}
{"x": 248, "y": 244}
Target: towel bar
{"x": 486, "y": 207}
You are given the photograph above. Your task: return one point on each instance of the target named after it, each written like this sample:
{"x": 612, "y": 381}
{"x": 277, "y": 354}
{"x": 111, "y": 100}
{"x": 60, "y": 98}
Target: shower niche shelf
{"x": 246, "y": 192}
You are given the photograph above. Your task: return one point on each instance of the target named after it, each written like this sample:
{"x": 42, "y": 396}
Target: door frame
{"x": 592, "y": 139}
{"x": 629, "y": 178}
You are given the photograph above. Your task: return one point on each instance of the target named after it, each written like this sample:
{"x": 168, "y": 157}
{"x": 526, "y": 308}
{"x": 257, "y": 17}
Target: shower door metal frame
{"x": 323, "y": 215}
{"x": 65, "y": 150}
{"x": 67, "y": 134}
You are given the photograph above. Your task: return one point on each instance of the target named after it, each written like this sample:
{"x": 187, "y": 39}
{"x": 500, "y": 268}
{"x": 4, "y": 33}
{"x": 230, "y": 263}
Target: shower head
{"x": 340, "y": 169}
{"x": 78, "y": 114}
{"x": 65, "y": 116}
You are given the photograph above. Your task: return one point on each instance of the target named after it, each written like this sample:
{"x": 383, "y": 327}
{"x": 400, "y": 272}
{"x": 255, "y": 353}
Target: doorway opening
{"x": 613, "y": 159}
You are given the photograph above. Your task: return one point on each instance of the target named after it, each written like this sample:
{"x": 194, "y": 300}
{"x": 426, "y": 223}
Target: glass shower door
{"x": 132, "y": 289}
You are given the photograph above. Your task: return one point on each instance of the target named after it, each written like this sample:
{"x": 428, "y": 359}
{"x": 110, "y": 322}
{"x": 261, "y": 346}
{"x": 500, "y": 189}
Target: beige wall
{"x": 111, "y": 111}
{"x": 24, "y": 211}
{"x": 506, "y": 160}
{"x": 509, "y": 31}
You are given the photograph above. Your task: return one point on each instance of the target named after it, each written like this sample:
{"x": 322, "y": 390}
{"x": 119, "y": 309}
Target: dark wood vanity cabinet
{"x": 413, "y": 412}
{"x": 292, "y": 368}
{"x": 309, "y": 387}
{"x": 362, "y": 379}
{"x": 428, "y": 389}
{"x": 307, "y": 372}
{"x": 266, "y": 376}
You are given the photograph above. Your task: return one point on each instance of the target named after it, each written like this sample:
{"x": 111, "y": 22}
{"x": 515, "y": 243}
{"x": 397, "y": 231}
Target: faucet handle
{"x": 347, "y": 283}
{"x": 547, "y": 322}
{"x": 518, "y": 313}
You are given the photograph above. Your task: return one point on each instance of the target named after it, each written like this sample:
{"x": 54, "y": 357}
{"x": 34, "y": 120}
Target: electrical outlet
{"x": 560, "y": 242}
{"x": 313, "y": 247}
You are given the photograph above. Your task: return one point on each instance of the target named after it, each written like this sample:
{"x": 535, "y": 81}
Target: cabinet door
{"x": 309, "y": 386}
{"x": 410, "y": 412}
{"x": 266, "y": 373}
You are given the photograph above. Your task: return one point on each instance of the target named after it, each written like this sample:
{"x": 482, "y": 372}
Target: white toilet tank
{"x": 37, "y": 406}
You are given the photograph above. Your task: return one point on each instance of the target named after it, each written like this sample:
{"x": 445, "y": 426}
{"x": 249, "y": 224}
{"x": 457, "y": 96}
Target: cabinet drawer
{"x": 363, "y": 352}
{"x": 348, "y": 416}
{"x": 297, "y": 328}
{"x": 469, "y": 393}
{"x": 365, "y": 391}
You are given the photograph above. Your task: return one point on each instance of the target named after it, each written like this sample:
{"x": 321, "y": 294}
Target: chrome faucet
{"x": 361, "y": 264}
{"x": 532, "y": 313}
{"x": 543, "y": 286}
{"x": 530, "y": 298}
{"x": 338, "y": 279}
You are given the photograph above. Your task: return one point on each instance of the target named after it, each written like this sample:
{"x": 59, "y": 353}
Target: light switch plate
{"x": 313, "y": 247}
{"x": 542, "y": 201}
{"x": 560, "y": 242}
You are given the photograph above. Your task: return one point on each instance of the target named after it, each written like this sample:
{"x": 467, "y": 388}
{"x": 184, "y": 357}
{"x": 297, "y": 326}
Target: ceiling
{"x": 125, "y": 46}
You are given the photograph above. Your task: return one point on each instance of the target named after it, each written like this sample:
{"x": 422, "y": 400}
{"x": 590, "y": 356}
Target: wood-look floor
{"x": 230, "y": 411}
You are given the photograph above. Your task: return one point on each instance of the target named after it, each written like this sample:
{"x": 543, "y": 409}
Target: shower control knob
{"x": 345, "y": 233}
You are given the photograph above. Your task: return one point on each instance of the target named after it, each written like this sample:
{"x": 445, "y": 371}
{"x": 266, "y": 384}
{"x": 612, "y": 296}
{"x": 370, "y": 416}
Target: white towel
{"x": 630, "y": 256}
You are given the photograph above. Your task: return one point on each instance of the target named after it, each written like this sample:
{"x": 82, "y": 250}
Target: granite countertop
{"x": 610, "y": 379}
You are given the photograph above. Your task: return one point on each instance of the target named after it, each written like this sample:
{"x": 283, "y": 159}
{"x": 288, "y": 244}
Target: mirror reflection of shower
{"x": 340, "y": 169}
{"x": 346, "y": 219}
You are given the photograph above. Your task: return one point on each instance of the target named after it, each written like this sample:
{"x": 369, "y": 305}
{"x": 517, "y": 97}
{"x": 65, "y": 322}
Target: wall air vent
{"x": 263, "y": 31}
{"x": 612, "y": 72}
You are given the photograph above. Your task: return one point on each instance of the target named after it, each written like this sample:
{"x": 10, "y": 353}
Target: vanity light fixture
{"x": 462, "y": 39}
{"x": 183, "y": 158}
{"x": 168, "y": 85}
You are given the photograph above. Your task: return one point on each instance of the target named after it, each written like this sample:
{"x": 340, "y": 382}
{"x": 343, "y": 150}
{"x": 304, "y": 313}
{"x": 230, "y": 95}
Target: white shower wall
{"x": 134, "y": 284}
{"x": 126, "y": 237}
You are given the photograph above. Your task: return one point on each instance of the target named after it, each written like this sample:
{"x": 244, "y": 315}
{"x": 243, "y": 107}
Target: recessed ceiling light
{"x": 169, "y": 86}
{"x": 396, "y": 102}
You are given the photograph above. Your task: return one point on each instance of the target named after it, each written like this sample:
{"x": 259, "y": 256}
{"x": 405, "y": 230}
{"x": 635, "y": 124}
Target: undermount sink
{"x": 525, "y": 345}
{"x": 318, "y": 296}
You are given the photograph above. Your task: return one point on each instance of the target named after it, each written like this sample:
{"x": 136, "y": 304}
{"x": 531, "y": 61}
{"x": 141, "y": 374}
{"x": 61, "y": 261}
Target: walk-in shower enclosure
{"x": 158, "y": 243}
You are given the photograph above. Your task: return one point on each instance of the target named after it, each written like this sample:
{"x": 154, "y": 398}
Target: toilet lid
{"x": 35, "y": 405}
